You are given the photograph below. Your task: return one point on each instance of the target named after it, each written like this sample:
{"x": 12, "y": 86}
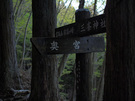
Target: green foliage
{"x": 63, "y": 95}
{"x": 19, "y": 52}
{"x": 100, "y": 56}
{"x": 22, "y": 10}
{"x": 99, "y": 63}
{"x": 66, "y": 81}
{"x": 65, "y": 15}
{"x": 94, "y": 89}
{"x": 27, "y": 59}
{"x": 89, "y": 4}
{"x": 97, "y": 73}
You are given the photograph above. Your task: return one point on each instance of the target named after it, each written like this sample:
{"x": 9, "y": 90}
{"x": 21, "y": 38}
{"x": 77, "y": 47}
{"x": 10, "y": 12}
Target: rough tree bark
{"x": 44, "y": 85}
{"x": 9, "y": 76}
{"x": 120, "y": 53}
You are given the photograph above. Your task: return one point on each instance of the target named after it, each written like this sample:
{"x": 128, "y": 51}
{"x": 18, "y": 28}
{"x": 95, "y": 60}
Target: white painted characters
{"x": 54, "y": 46}
{"x": 102, "y": 24}
{"x": 95, "y": 25}
{"x": 76, "y": 44}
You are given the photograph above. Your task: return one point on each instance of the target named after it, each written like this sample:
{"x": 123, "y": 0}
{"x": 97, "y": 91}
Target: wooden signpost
{"x": 69, "y": 45}
{"x": 91, "y": 26}
{"x": 74, "y": 38}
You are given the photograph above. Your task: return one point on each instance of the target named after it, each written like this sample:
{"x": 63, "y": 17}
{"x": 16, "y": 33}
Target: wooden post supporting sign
{"x": 82, "y": 75}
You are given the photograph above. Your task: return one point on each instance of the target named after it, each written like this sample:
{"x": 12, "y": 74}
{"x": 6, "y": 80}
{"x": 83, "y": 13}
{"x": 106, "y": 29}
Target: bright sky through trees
{"x": 75, "y": 4}
{"x": 100, "y": 4}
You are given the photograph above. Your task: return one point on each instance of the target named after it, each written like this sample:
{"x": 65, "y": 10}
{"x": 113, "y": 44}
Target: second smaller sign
{"x": 91, "y": 26}
{"x": 69, "y": 45}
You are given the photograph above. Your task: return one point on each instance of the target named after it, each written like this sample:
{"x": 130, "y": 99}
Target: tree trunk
{"x": 44, "y": 85}
{"x": 120, "y": 53}
{"x": 24, "y": 45}
{"x": 9, "y": 76}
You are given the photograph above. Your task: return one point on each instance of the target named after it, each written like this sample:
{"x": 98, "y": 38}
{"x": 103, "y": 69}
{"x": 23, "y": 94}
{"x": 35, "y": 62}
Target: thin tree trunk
{"x": 65, "y": 13}
{"x": 15, "y": 6}
{"x": 59, "y": 8}
{"x": 95, "y": 7}
{"x": 62, "y": 64}
{"x": 17, "y": 10}
{"x": 25, "y": 33}
{"x": 100, "y": 84}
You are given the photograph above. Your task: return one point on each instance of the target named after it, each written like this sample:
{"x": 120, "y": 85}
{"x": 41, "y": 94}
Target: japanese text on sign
{"x": 54, "y": 45}
{"x": 68, "y": 45}
{"x": 92, "y": 25}
{"x": 89, "y": 26}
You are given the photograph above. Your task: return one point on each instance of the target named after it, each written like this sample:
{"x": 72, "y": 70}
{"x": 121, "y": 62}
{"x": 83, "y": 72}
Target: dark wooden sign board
{"x": 69, "y": 45}
{"x": 71, "y": 39}
{"x": 91, "y": 26}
